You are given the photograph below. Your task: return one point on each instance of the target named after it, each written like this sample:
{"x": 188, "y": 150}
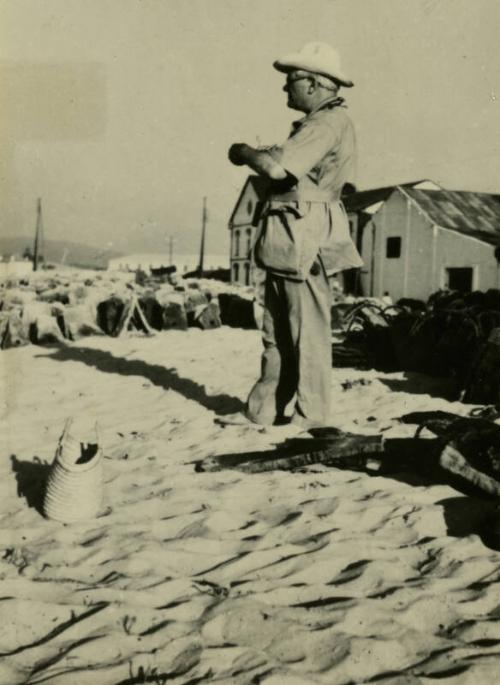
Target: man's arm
{"x": 259, "y": 161}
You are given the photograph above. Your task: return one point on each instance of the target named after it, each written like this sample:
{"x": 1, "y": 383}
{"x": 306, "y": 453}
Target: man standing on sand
{"x": 304, "y": 239}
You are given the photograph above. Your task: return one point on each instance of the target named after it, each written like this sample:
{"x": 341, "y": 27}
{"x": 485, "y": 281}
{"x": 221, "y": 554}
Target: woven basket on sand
{"x": 74, "y": 487}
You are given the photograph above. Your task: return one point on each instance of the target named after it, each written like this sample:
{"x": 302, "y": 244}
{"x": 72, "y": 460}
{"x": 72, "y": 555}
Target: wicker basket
{"x": 74, "y": 488}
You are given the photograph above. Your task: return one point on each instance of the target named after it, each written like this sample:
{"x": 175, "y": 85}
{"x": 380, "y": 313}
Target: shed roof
{"x": 359, "y": 200}
{"x": 470, "y": 213}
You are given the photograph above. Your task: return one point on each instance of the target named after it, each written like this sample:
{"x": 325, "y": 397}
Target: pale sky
{"x": 119, "y": 113}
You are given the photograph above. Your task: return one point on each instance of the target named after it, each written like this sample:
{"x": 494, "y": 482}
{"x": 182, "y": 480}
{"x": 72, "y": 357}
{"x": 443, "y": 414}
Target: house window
{"x": 247, "y": 273}
{"x": 236, "y": 243}
{"x": 249, "y": 206}
{"x": 249, "y": 241}
{"x": 460, "y": 279}
{"x": 393, "y": 248}
{"x": 236, "y": 273}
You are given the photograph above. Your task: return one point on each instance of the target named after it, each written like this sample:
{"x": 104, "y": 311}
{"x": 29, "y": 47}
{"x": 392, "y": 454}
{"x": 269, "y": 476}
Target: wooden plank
{"x": 453, "y": 461}
{"x": 348, "y": 450}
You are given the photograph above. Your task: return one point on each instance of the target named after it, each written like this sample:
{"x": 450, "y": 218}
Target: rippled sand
{"x": 321, "y": 576}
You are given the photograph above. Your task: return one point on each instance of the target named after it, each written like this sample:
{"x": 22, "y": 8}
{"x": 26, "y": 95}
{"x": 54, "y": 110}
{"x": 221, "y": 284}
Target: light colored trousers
{"x": 297, "y": 357}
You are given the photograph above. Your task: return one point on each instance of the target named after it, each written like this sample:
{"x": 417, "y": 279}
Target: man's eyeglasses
{"x": 289, "y": 80}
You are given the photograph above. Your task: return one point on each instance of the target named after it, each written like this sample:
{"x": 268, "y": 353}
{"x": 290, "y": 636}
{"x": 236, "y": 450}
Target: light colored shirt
{"x": 321, "y": 149}
{"x": 320, "y": 153}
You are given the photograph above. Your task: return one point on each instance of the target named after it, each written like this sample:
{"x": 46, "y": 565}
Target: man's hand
{"x": 237, "y": 154}
{"x": 259, "y": 161}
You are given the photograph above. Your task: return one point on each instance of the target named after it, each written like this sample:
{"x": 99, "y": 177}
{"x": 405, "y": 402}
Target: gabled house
{"x": 416, "y": 238}
{"x": 243, "y": 227}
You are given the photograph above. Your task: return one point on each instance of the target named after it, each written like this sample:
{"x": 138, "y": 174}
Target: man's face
{"x": 298, "y": 87}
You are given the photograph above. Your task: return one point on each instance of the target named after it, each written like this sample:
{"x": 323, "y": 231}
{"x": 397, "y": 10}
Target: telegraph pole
{"x": 38, "y": 249}
{"x": 203, "y": 230}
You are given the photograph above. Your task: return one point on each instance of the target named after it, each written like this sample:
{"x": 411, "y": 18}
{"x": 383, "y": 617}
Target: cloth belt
{"x": 306, "y": 195}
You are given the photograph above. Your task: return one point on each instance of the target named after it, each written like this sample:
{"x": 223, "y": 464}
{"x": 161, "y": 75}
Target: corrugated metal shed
{"x": 474, "y": 214}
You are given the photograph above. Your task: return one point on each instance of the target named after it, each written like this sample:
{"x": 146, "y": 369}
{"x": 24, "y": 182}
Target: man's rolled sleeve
{"x": 306, "y": 148}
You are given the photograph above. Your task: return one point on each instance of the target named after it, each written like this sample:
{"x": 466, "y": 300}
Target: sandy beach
{"x": 161, "y": 161}
{"x": 318, "y": 576}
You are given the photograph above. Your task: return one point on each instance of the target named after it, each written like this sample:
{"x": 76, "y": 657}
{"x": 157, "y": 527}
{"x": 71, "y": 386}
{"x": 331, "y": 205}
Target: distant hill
{"x": 58, "y": 251}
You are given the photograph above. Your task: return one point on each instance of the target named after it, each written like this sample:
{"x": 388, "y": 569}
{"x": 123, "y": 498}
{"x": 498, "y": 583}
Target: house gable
{"x": 252, "y": 193}
{"x": 397, "y": 250}
{"x": 424, "y": 185}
